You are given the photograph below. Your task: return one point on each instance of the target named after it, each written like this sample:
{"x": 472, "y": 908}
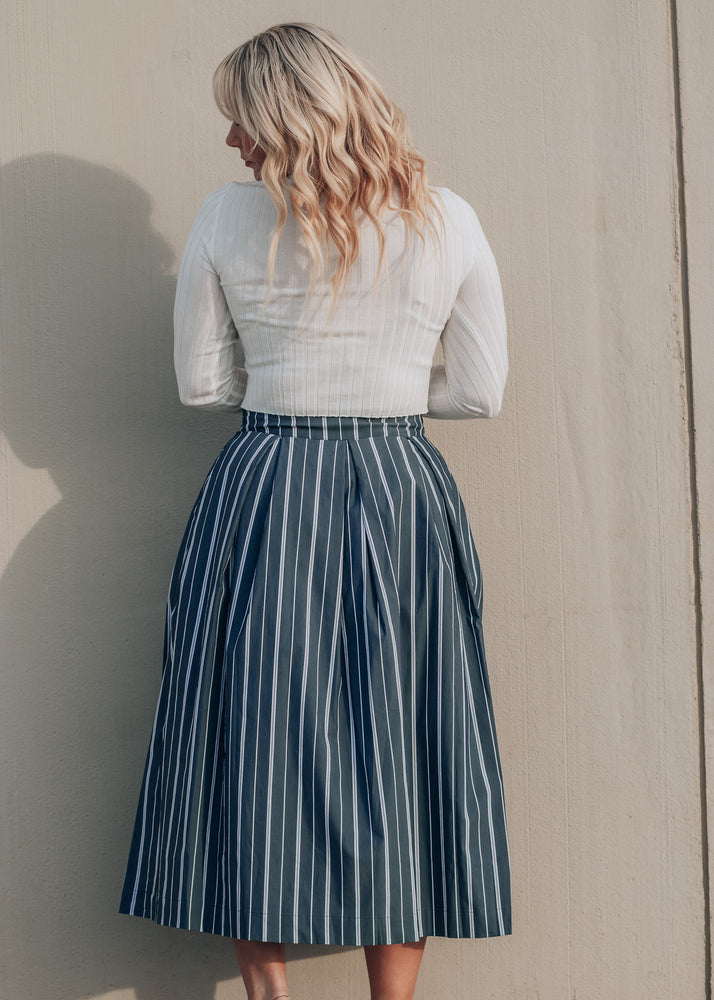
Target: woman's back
{"x": 374, "y": 357}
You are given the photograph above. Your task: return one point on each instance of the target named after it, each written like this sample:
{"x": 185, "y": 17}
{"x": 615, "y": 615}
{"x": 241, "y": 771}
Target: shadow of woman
{"x": 90, "y": 396}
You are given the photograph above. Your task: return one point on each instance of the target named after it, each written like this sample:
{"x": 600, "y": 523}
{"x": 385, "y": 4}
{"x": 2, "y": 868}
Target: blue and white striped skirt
{"x": 323, "y": 765}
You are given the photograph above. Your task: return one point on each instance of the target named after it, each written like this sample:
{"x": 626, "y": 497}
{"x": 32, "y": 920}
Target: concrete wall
{"x": 572, "y": 127}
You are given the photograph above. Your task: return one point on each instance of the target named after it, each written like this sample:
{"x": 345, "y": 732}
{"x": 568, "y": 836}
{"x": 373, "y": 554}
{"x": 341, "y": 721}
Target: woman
{"x": 323, "y": 765}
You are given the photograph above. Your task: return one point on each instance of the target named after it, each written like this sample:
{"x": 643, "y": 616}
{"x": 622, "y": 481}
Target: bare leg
{"x": 262, "y": 965}
{"x": 393, "y": 969}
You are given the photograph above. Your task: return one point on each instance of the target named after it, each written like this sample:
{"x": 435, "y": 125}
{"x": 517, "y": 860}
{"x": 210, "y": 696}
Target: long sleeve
{"x": 472, "y": 379}
{"x": 208, "y": 355}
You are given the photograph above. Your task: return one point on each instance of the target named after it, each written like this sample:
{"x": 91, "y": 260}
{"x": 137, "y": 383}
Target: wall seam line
{"x": 694, "y": 492}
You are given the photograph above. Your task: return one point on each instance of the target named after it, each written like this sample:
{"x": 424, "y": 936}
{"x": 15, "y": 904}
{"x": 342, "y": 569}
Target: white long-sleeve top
{"x": 376, "y": 356}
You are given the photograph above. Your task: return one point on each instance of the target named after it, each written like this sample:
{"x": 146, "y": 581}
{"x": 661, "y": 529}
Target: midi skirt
{"x": 323, "y": 766}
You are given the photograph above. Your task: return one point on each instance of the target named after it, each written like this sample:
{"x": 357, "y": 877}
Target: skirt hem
{"x": 428, "y": 927}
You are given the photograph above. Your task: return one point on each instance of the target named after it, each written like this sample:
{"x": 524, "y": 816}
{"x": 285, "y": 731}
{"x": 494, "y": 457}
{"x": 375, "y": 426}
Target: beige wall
{"x": 590, "y": 496}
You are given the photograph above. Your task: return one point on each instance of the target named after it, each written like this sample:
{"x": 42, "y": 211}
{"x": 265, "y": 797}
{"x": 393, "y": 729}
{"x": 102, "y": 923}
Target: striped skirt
{"x": 323, "y": 765}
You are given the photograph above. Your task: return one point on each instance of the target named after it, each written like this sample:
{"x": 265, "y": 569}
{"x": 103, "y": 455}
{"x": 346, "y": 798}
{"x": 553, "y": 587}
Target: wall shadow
{"x": 90, "y": 395}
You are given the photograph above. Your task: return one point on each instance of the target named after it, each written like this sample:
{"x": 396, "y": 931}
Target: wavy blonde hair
{"x": 331, "y": 136}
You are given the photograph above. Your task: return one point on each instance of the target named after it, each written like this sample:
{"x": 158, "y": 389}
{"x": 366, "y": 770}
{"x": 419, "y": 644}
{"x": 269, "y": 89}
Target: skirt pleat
{"x": 323, "y": 765}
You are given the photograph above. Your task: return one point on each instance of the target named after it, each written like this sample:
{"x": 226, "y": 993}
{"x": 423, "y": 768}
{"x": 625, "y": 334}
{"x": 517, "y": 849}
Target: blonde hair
{"x": 325, "y": 124}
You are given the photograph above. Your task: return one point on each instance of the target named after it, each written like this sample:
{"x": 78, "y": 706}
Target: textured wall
{"x": 571, "y": 126}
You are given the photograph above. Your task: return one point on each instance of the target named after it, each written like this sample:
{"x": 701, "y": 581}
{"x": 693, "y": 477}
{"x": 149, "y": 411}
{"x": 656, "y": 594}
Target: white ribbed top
{"x": 375, "y": 359}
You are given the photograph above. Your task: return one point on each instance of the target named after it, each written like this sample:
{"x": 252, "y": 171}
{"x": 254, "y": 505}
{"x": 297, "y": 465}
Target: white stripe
{"x": 274, "y": 693}
{"x": 311, "y": 564}
{"x": 333, "y": 650}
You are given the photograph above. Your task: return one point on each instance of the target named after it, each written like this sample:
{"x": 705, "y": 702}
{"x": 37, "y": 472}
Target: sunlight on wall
{"x": 28, "y": 494}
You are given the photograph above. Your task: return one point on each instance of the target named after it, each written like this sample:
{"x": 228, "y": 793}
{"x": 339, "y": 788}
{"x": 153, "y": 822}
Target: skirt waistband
{"x": 291, "y": 425}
